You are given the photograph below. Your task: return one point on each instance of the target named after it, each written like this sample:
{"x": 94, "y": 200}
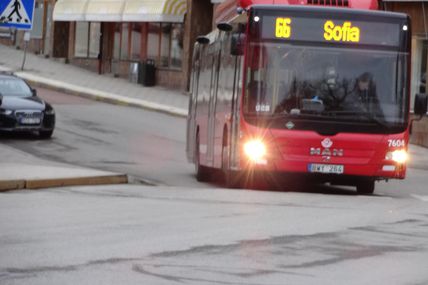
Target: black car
{"x": 21, "y": 110}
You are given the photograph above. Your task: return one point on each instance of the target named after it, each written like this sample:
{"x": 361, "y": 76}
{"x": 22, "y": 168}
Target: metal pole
{"x": 25, "y": 55}
{"x": 26, "y": 40}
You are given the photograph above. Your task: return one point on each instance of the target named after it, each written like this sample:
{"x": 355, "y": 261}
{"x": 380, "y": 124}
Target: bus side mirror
{"x": 421, "y": 104}
{"x": 203, "y": 40}
{"x": 238, "y": 44}
{"x": 225, "y": 27}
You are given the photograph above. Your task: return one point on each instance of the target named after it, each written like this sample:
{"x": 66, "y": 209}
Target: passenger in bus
{"x": 331, "y": 91}
{"x": 365, "y": 93}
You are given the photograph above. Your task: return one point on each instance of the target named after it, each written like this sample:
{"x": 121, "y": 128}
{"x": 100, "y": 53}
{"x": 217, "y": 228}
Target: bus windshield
{"x": 337, "y": 84}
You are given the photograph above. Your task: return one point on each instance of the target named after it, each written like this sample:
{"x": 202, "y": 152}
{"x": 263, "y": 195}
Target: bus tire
{"x": 366, "y": 187}
{"x": 231, "y": 178}
{"x": 202, "y": 172}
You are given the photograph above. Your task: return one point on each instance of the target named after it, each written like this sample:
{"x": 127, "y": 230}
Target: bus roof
{"x": 355, "y": 4}
{"x": 327, "y": 10}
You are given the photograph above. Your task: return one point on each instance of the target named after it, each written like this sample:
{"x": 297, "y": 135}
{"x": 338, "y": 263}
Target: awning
{"x": 70, "y": 10}
{"x": 104, "y": 10}
{"x": 172, "y": 11}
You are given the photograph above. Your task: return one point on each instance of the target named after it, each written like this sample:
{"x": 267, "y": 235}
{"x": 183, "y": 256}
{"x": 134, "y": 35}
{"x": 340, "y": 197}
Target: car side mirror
{"x": 34, "y": 92}
{"x": 421, "y": 104}
{"x": 238, "y": 44}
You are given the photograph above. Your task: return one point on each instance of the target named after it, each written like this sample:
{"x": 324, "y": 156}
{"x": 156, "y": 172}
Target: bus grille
{"x": 334, "y": 3}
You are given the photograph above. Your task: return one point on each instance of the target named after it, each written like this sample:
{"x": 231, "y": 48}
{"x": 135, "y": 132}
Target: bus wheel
{"x": 230, "y": 178}
{"x": 202, "y": 172}
{"x": 366, "y": 187}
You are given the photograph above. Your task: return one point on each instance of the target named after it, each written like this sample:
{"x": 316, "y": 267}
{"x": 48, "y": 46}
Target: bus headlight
{"x": 255, "y": 150}
{"x": 399, "y": 156}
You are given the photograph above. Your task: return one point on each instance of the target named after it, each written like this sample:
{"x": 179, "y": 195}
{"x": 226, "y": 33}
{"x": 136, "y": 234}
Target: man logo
{"x": 327, "y": 143}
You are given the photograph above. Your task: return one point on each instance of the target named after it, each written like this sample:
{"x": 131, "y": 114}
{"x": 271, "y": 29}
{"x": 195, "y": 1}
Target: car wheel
{"x": 45, "y": 134}
{"x": 366, "y": 187}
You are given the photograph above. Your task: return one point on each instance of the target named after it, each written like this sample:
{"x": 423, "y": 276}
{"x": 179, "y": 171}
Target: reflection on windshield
{"x": 336, "y": 83}
{"x": 14, "y": 87}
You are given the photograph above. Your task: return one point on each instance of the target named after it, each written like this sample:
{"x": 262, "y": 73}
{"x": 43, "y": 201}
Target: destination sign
{"x": 326, "y": 30}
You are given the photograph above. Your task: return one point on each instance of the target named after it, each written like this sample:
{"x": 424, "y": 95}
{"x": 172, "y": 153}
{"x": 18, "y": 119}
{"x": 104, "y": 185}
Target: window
{"x": 176, "y": 46}
{"x": 117, "y": 39}
{"x": 165, "y": 44}
{"x": 153, "y": 41}
{"x": 81, "y": 42}
{"x": 136, "y": 41}
{"x": 87, "y": 39}
{"x": 94, "y": 39}
{"x": 124, "y": 50}
{"x": 419, "y": 66}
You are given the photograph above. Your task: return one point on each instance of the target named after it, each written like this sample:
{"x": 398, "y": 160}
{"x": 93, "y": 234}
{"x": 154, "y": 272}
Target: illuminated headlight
{"x": 399, "y": 156}
{"x": 255, "y": 150}
{"x": 6, "y": 112}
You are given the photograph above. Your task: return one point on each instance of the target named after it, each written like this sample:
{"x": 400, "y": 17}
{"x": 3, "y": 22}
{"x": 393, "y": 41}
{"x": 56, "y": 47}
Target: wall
{"x": 420, "y": 132}
{"x": 200, "y": 23}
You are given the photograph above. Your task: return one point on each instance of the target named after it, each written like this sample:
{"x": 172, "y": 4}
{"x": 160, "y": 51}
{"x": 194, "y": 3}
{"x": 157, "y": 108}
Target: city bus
{"x": 309, "y": 91}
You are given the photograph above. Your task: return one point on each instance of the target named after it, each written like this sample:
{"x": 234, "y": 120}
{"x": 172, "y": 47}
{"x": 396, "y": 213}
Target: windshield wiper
{"x": 366, "y": 115}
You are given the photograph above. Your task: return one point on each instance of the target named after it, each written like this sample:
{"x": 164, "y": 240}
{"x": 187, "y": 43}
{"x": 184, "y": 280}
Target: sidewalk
{"x": 43, "y": 72}
{"x": 20, "y": 170}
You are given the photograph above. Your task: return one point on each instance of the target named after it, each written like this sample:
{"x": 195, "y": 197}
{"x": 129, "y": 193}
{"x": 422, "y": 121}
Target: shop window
{"x": 82, "y": 39}
{"x": 165, "y": 44}
{"x": 176, "y": 46}
{"x": 165, "y": 49}
{"x": 87, "y": 40}
{"x": 153, "y": 39}
{"x": 124, "y": 50}
{"x": 136, "y": 41}
{"x": 117, "y": 37}
{"x": 94, "y": 39}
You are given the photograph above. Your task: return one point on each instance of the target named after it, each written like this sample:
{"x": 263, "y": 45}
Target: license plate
{"x": 326, "y": 168}
{"x": 30, "y": 121}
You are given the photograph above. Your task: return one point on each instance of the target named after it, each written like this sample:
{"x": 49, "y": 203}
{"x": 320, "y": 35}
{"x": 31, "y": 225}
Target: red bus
{"x": 317, "y": 92}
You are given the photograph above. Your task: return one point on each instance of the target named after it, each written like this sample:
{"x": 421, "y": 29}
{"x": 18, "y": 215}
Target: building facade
{"x": 110, "y": 36}
{"x": 418, "y": 11}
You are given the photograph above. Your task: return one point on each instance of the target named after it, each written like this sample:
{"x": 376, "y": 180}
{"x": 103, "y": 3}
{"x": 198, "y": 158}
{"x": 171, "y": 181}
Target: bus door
{"x": 191, "y": 118}
{"x": 213, "y": 102}
{"x": 237, "y": 91}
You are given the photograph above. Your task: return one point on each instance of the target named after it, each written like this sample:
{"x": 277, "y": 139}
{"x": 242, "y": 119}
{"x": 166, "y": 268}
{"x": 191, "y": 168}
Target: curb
{"x": 100, "y": 96}
{"x": 11, "y": 185}
{"x": 33, "y": 184}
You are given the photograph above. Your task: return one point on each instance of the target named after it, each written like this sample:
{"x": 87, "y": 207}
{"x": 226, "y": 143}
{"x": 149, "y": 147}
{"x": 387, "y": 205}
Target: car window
{"x": 14, "y": 87}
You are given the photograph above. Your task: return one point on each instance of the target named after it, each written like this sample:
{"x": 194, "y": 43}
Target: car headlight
{"x": 255, "y": 150}
{"x": 50, "y": 112}
{"x": 400, "y": 156}
{"x": 6, "y": 112}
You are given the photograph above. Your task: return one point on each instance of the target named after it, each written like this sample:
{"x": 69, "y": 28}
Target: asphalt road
{"x": 176, "y": 235}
